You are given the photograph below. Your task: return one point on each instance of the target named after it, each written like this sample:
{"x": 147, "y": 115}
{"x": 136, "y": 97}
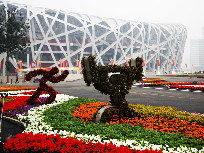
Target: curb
{"x": 15, "y": 121}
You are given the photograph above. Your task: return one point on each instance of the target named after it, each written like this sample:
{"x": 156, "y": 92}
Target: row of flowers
{"x": 29, "y": 142}
{"x": 168, "y": 112}
{"x": 190, "y": 87}
{"x": 186, "y": 75}
{"x": 86, "y": 111}
{"x": 147, "y": 80}
{"x": 18, "y": 102}
{"x": 155, "y": 82}
{"x": 10, "y": 88}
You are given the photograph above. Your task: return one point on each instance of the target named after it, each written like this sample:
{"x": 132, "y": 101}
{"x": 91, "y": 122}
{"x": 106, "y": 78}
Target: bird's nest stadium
{"x": 61, "y": 39}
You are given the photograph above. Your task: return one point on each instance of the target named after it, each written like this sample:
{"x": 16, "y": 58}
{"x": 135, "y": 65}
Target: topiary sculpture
{"x": 47, "y": 76}
{"x": 117, "y": 86}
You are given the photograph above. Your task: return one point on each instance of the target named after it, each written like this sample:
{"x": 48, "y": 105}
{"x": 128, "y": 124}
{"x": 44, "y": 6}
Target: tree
{"x": 13, "y": 34}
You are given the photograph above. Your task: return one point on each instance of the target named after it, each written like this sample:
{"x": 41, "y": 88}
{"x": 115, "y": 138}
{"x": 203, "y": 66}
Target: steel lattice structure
{"x": 56, "y": 35}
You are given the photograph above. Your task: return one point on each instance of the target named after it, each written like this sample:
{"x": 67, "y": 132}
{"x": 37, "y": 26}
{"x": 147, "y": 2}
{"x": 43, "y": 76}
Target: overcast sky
{"x": 187, "y": 12}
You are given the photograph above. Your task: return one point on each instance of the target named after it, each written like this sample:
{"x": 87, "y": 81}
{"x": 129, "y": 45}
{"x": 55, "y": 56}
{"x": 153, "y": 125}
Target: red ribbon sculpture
{"x": 47, "y": 76}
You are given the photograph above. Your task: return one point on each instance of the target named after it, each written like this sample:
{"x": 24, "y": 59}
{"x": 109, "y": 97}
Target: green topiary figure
{"x": 117, "y": 86}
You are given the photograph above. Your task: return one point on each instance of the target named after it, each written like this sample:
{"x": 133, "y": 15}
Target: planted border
{"x": 63, "y": 120}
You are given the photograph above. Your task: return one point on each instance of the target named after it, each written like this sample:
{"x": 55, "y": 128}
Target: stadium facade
{"x": 65, "y": 36}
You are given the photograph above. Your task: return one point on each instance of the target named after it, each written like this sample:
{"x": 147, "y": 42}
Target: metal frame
{"x": 57, "y": 35}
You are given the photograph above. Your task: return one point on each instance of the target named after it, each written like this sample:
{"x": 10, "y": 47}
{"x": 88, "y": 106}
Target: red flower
{"x": 29, "y": 142}
{"x": 15, "y": 104}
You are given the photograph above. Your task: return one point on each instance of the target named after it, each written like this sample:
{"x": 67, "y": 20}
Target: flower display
{"x": 67, "y": 121}
{"x": 155, "y": 82}
{"x": 29, "y": 142}
{"x": 168, "y": 112}
{"x": 186, "y": 86}
{"x": 86, "y": 111}
{"x": 22, "y": 109}
{"x": 146, "y": 80}
{"x": 117, "y": 86}
{"x": 16, "y": 103}
{"x": 157, "y": 123}
{"x": 32, "y": 92}
{"x": 47, "y": 76}
{"x": 11, "y": 88}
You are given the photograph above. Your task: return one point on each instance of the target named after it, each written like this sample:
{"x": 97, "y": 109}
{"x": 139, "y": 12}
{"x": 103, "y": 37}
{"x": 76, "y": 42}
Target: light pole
{"x": 3, "y": 96}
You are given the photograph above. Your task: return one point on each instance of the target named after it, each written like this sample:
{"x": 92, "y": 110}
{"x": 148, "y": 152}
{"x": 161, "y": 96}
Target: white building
{"x": 197, "y": 55}
{"x": 57, "y": 35}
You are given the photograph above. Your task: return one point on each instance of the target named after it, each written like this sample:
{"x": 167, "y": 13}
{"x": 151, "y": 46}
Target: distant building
{"x": 197, "y": 54}
{"x": 57, "y": 35}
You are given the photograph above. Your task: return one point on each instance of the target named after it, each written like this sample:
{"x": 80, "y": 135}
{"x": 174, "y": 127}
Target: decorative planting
{"x": 47, "y": 76}
{"x": 117, "y": 86}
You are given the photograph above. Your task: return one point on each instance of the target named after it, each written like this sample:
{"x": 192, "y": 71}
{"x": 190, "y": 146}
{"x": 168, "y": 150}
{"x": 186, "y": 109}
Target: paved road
{"x": 185, "y": 101}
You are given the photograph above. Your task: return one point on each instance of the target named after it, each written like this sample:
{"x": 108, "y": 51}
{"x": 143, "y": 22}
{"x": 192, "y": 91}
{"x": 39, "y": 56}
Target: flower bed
{"x": 158, "y": 82}
{"x": 150, "y": 80}
{"x": 190, "y": 87}
{"x": 18, "y": 102}
{"x": 63, "y": 122}
{"x": 159, "y": 128}
{"x": 29, "y": 142}
{"x": 185, "y": 126}
{"x": 8, "y": 88}
{"x": 15, "y": 104}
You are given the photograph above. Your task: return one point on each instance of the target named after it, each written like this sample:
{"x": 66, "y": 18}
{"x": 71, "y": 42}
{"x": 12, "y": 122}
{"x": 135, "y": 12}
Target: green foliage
{"x": 13, "y": 32}
{"x": 117, "y": 86}
{"x": 167, "y": 112}
{"x": 86, "y": 70}
{"x": 60, "y": 118}
{"x": 101, "y": 81}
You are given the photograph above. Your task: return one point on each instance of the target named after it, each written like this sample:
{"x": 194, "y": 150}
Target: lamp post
{"x": 144, "y": 66}
{"x": 40, "y": 64}
{"x": 173, "y": 65}
{"x": 20, "y": 66}
{"x": 65, "y": 64}
{"x": 60, "y": 66}
{"x": 3, "y": 95}
{"x": 77, "y": 65}
{"x": 126, "y": 62}
{"x": 158, "y": 66}
{"x": 60, "y": 63}
{"x": 0, "y": 65}
{"x": 32, "y": 64}
{"x": 111, "y": 61}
